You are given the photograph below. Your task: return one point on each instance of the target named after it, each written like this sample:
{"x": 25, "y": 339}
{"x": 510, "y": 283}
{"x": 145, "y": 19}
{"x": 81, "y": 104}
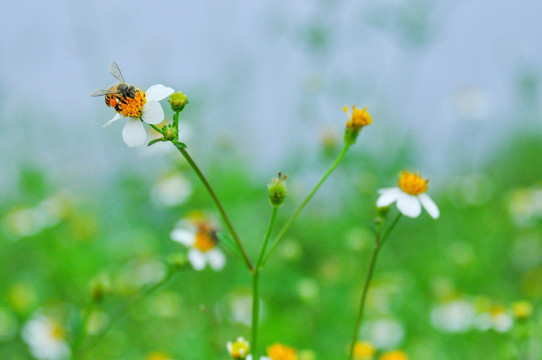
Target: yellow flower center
{"x": 157, "y": 356}
{"x": 132, "y": 107}
{"x": 358, "y": 119}
{"x": 412, "y": 184}
{"x": 239, "y": 350}
{"x": 205, "y": 238}
{"x": 363, "y": 350}
{"x": 281, "y": 352}
{"x": 57, "y": 332}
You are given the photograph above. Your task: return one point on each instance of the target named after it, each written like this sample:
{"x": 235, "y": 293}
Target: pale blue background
{"x": 255, "y": 78}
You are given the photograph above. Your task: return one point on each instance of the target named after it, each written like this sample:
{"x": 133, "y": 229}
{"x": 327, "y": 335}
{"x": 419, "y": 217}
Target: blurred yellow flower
{"x": 522, "y": 309}
{"x": 363, "y": 350}
{"x": 281, "y": 352}
{"x": 239, "y": 348}
{"x": 394, "y": 355}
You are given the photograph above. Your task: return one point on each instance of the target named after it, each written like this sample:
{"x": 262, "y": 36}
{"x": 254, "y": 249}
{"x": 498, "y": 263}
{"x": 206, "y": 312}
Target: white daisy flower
{"x": 143, "y": 107}
{"x": 46, "y": 339}
{"x": 199, "y": 235}
{"x": 238, "y": 349}
{"x": 410, "y": 196}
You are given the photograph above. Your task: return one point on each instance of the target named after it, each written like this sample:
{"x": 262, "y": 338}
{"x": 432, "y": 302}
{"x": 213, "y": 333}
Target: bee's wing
{"x": 102, "y": 92}
{"x": 115, "y": 71}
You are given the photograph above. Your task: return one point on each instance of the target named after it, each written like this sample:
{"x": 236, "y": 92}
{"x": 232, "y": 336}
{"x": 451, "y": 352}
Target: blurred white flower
{"x": 471, "y": 103}
{"x": 383, "y": 333}
{"x": 171, "y": 190}
{"x": 199, "y": 235}
{"x": 31, "y": 220}
{"x": 410, "y": 196}
{"x": 46, "y": 339}
{"x": 453, "y": 316}
{"x": 496, "y": 318}
{"x": 143, "y": 107}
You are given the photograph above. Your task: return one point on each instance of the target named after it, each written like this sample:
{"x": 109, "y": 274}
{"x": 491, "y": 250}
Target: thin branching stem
{"x": 225, "y": 217}
{"x": 307, "y": 199}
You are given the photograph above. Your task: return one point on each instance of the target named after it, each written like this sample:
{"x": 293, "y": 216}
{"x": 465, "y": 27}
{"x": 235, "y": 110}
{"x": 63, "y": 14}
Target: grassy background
{"x": 486, "y": 248}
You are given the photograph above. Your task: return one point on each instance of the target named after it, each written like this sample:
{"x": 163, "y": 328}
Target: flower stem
{"x": 379, "y": 241}
{"x": 220, "y": 207}
{"x": 307, "y": 199}
{"x": 121, "y": 312}
{"x": 256, "y": 286}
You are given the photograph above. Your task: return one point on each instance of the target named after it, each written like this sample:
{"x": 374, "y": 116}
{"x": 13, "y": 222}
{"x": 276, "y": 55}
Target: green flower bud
{"x": 169, "y": 133}
{"x": 177, "y": 260}
{"x": 277, "y": 190}
{"x": 99, "y": 287}
{"x": 178, "y": 101}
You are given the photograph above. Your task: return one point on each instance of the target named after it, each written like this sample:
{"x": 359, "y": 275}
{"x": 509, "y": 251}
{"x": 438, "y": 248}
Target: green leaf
{"x": 179, "y": 145}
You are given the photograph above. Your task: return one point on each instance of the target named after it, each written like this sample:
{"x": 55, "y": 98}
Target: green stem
{"x": 307, "y": 199}
{"x": 220, "y": 207}
{"x": 379, "y": 241}
{"x": 121, "y": 312}
{"x": 176, "y": 121}
{"x": 256, "y": 286}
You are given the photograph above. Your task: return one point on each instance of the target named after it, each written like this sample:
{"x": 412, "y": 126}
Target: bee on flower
{"x": 134, "y": 104}
{"x": 46, "y": 339}
{"x": 199, "y": 234}
{"x": 410, "y": 196}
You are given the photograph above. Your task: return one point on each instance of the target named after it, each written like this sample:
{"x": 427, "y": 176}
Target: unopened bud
{"x": 99, "y": 287}
{"x": 169, "y": 133}
{"x": 277, "y": 190}
{"x": 178, "y": 101}
{"x": 177, "y": 260}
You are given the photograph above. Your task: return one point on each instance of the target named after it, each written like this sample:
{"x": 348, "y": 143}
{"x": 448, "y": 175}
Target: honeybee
{"x": 117, "y": 93}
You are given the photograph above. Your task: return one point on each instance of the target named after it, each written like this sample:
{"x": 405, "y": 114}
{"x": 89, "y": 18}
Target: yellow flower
{"x": 357, "y": 119}
{"x": 522, "y": 310}
{"x": 394, "y": 355}
{"x": 363, "y": 350}
{"x": 239, "y": 348}
{"x": 157, "y": 356}
{"x": 281, "y": 352}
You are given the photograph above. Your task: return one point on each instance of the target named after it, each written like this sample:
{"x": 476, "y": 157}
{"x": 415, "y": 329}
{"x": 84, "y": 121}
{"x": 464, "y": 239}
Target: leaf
{"x": 179, "y": 145}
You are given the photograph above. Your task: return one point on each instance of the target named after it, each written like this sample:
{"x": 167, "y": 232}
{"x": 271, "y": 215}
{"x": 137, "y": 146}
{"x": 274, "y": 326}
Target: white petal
{"x": 185, "y": 237}
{"x": 158, "y": 92}
{"x": 134, "y": 133}
{"x": 216, "y": 258}
{"x": 152, "y": 113}
{"x": 197, "y": 259}
{"x": 409, "y": 205}
{"x": 429, "y": 205}
{"x": 115, "y": 118}
{"x": 388, "y": 196}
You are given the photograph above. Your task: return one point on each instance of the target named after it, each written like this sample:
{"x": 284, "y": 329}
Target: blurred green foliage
{"x": 486, "y": 250}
